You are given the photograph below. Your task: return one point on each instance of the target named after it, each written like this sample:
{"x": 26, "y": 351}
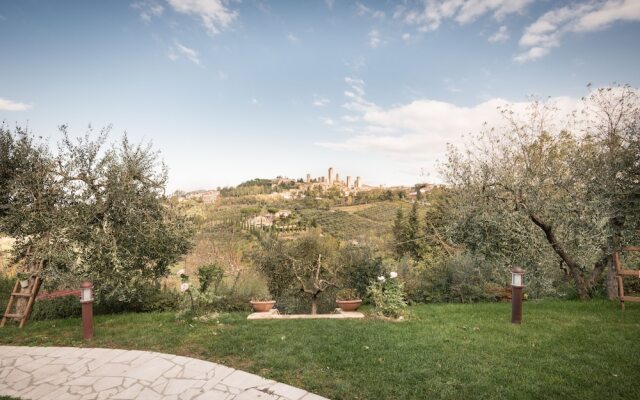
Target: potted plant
{"x": 262, "y": 302}
{"x": 348, "y": 300}
{"x": 24, "y": 279}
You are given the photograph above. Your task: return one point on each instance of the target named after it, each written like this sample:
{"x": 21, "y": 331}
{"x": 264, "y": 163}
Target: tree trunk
{"x": 617, "y": 223}
{"x": 314, "y": 305}
{"x": 573, "y": 266}
{"x": 612, "y": 281}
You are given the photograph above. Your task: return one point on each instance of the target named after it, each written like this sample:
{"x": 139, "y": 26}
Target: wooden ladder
{"x": 622, "y": 272}
{"x": 15, "y": 294}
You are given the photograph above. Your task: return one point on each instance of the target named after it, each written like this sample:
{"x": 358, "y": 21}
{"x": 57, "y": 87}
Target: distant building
{"x": 282, "y": 214}
{"x": 260, "y": 221}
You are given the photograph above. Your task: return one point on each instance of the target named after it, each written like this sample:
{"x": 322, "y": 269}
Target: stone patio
{"x": 70, "y": 373}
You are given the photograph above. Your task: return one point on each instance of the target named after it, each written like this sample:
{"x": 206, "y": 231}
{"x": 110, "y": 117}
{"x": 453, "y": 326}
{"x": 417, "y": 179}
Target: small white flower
{"x": 381, "y": 278}
{"x": 184, "y": 287}
{"x": 393, "y": 275}
{"x": 180, "y": 272}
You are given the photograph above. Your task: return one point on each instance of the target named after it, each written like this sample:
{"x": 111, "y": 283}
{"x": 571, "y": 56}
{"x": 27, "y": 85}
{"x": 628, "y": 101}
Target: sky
{"x": 233, "y": 90}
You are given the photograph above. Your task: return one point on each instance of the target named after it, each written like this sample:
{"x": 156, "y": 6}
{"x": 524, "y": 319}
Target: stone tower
{"x": 337, "y": 178}
{"x": 357, "y": 184}
{"x": 330, "y": 176}
{"x": 308, "y": 178}
{"x": 348, "y": 181}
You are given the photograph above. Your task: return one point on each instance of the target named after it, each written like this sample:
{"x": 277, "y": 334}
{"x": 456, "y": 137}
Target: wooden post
{"x": 516, "y": 304}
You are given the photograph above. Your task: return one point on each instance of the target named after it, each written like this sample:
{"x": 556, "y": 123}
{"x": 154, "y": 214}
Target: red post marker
{"x": 86, "y": 299}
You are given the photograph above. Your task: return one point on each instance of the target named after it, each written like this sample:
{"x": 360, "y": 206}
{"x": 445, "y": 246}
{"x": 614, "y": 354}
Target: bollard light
{"x": 517, "y": 284}
{"x": 517, "y": 277}
{"x": 86, "y": 299}
{"x": 86, "y": 292}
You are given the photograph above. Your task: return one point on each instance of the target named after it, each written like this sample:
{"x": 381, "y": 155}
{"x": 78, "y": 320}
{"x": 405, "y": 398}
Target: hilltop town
{"x": 330, "y": 185}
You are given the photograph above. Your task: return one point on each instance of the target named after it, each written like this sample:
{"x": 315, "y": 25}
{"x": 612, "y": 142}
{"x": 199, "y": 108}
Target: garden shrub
{"x": 210, "y": 275}
{"x": 359, "y": 267}
{"x": 152, "y": 298}
{"x": 6, "y": 286}
{"x": 388, "y": 296}
{"x": 57, "y": 308}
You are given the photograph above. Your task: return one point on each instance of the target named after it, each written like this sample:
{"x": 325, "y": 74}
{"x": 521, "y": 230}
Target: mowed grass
{"x": 563, "y": 350}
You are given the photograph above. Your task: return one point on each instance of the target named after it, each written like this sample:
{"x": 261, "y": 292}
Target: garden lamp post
{"x": 86, "y": 299}
{"x": 517, "y": 284}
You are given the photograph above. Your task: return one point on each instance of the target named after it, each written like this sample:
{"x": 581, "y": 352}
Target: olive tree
{"x": 309, "y": 266}
{"x": 91, "y": 211}
{"x": 572, "y": 179}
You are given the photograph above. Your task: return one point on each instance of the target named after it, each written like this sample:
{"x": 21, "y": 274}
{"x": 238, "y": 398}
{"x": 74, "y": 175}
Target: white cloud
{"x": 181, "y": 50}
{"x": 293, "y": 38}
{"x": 420, "y": 130}
{"x": 502, "y": 35}
{"x": 532, "y": 54}
{"x": 9, "y": 105}
{"x": 356, "y": 101}
{"x": 254, "y": 101}
{"x": 546, "y": 32}
{"x": 214, "y": 14}
{"x": 320, "y": 101}
{"x": 223, "y": 76}
{"x": 430, "y": 15}
{"x": 328, "y": 121}
{"x": 374, "y": 39}
{"x": 365, "y": 11}
{"x": 406, "y": 36}
{"x": 329, "y": 3}
{"x": 148, "y": 9}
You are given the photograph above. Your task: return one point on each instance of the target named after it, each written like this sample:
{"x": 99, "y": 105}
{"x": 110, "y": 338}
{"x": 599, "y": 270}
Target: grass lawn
{"x": 563, "y": 350}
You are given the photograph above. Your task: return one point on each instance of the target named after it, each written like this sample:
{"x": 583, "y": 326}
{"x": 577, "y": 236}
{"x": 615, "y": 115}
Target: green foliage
{"x": 360, "y": 266}
{"x": 153, "y": 297}
{"x": 307, "y": 266}
{"x": 383, "y": 212}
{"x": 345, "y": 226}
{"x": 347, "y": 294}
{"x": 195, "y": 302}
{"x": 408, "y": 233}
{"x": 551, "y": 193}
{"x": 272, "y": 261}
{"x": 210, "y": 275}
{"x": 60, "y": 307}
{"x": 399, "y": 233}
{"x": 6, "y": 286}
{"x": 92, "y": 212}
{"x": 388, "y": 296}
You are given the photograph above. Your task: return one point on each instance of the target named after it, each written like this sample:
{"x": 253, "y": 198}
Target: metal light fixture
{"x": 86, "y": 292}
{"x": 517, "y": 284}
{"x": 517, "y": 277}
{"x": 86, "y": 299}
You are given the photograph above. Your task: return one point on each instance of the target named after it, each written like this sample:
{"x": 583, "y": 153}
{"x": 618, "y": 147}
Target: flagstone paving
{"x": 70, "y": 373}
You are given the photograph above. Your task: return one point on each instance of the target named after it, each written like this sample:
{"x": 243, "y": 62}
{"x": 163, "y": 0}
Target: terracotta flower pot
{"x": 262, "y": 306}
{"x": 349, "y": 305}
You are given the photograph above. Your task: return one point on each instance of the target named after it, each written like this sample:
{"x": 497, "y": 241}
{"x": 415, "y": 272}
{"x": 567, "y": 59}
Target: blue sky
{"x": 232, "y": 90}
